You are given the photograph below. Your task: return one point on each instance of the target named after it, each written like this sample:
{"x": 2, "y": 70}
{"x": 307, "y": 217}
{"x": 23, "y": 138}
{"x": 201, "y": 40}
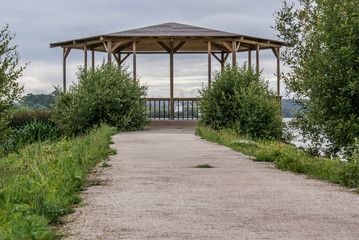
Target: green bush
{"x": 240, "y": 100}
{"x": 40, "y": 182}
{"x": 108, "y": 95}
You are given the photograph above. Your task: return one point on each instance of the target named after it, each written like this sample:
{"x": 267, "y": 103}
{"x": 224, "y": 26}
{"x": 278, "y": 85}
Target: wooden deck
{"x": 178, "y": 124}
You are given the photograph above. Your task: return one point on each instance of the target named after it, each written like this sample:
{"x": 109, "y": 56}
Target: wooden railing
{"x": 183, "y": 108}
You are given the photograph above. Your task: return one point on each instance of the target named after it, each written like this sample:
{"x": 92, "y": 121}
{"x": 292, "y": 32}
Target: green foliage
{"x": 39, "y": 101}
{"x": 287, "y": 157}
{"x": 40, "y": 182}
{"x": 10, "y": 90}
{"x": 239, "y": 100}
{"x": 108, "y": 95}
{"x": 31, "y": 132}
{"x": 323, "y": 56}
{"x": 21, "y": 117}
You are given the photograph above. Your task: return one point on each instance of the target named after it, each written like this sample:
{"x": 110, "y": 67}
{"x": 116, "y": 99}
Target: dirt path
{"x": 152, "y": 191}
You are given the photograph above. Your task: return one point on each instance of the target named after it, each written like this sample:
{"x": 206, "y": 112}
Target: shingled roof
{"x": 148, "y": 37}
{"x": 172, "y": 29}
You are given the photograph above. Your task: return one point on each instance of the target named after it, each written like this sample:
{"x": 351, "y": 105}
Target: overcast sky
{"x": 37, "y": 23}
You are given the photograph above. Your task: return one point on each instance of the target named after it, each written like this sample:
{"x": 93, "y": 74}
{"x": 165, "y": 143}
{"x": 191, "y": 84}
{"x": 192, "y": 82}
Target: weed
{"x": 105, "y": 164}
{"x": 204, "y": 166}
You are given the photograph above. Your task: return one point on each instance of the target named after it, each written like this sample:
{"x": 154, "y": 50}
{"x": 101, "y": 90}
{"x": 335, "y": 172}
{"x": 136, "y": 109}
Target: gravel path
{"x": 153, "y": 191}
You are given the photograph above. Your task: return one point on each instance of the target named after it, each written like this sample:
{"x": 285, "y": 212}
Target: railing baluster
{"x": 186, "y": 108}
{"x": 150, "y": 109}
{"x": 159, "y": 109}
{"x": 197, "y": 109}
{"x": 154, "y": 109}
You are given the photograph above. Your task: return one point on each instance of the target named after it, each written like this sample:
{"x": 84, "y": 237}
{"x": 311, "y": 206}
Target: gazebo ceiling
{"x": 153, "y": 39}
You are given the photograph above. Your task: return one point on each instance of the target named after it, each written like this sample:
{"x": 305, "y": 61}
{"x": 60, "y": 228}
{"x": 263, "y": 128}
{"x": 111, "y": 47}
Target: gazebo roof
{"x": 195, "y": 39}
{"x": 172, "y": 29}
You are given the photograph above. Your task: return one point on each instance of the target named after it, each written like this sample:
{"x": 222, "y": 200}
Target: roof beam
{"x": 116, "y": 46}
{"x": 164, "y": 46}
{"x": 67, "y": 52}
{"x": 227, "y": 46}
{"x": 122, "y": 60}
{"x": 124, "y": 46}
{"x": 178, "y": 46}
{"x": 219, "y": 47}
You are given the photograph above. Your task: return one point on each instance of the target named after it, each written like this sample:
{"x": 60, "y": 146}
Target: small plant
{"x": 204, "y": 166}
{"x": 105, "y": 164}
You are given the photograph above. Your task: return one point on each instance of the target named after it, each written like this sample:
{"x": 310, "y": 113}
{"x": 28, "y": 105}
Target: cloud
{"x": 40, "y": 22}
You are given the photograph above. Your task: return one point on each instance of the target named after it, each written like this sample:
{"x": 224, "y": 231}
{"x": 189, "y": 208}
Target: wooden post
{"x": 222, "y": 61}
{"x": 257, "y": 58}
{"x": 171, "y": 80}
{"x": 278, "y": 72}
{"x": 93, "y": 59}
{"x": 209, "y": 63}
{"x": 109, "y": 47}
{"x": 119, "y": 59}
{"x": 134, "y": 60}
{"x": 64, "y": 70}
{"x": 249, "y": 58}
{"x": 234, "y": 53}
{"x": 66, "y": 52}
{"x": 85, "y": 57}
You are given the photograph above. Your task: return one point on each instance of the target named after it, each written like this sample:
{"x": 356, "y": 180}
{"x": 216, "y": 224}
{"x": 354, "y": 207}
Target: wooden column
{"x": 64, "y": 70}
{"x": 93, "y": 60}
{"x": 222, "y": 61}
{"x": 234, "y": 53}
{"x": 85, "y": 58}
{"x": 172, "y": 114}
{"x": 278, "y": 71}
{"x": 119, "y": 59}
{"x": 109, "y": 54}
{"x": 134, "y": 59}
{"x": 209, "y": 63}
{"x": 66, "y": 52}
{"x": 257, "y": 59}
{"x": 249, "y": 58}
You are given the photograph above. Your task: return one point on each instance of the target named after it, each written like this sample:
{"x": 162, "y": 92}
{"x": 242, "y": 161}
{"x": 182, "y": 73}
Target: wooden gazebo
{"x": 171, "y": 38}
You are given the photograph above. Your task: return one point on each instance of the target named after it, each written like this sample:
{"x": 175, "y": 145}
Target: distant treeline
{"x": 39, "y": 101}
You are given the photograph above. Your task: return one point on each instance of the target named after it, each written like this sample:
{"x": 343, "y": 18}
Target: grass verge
{"x": 287, "y": 157}
{"x": 39, "y": 183}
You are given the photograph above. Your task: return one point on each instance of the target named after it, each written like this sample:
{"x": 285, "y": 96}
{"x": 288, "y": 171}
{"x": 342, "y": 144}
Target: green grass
{"x": 204, "y": 166}
{"x": 287, "y": 157}
{"x": 40, "y": 182}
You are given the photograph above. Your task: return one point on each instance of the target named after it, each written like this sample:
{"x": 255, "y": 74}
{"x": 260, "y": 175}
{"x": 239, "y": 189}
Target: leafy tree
{"x": 10, "y": 89}
{"x": 240, "y": 100}
{"x": 106, "y": 95}
{"x": 322, "y": 38}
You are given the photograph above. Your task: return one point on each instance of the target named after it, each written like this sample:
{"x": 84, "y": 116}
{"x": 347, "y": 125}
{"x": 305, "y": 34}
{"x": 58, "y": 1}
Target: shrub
{"x": 108, "y": 94}
{"x": 240, "y": 100}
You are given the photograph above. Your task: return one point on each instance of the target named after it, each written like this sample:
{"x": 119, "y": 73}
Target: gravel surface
{"x": 153, "y": 191}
